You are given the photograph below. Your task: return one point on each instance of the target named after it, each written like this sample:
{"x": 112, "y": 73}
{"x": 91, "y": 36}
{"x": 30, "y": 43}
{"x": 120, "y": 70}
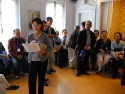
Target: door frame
{"x": 85, "y": 9}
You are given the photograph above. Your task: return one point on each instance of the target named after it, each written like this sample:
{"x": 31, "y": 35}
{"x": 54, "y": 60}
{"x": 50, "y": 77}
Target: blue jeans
{"x": 24, "y": 65}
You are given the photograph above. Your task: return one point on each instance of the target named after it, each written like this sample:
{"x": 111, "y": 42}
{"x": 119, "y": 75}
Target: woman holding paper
{"x": 38, "y": 59}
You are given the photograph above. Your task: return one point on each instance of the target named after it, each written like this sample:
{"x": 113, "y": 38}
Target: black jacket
{"x": 100, "y": 42}
{"x": 52, "y": 32}
{"x": 81, "y": 40}
{"x": 1, "y": 47}
{"x": 72, "y": 39}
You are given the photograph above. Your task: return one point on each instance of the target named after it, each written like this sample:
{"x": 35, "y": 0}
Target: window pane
{"x": 56, "y": 11}
{"x": 59, "y": 17}
{"x": 0, "y": 23}
{"x": 9, "y": 20}
{"x": 50, "y": 11}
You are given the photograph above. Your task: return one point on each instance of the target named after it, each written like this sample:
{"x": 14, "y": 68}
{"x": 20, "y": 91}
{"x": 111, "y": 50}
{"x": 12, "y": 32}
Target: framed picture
{"x": 31, "y": 15}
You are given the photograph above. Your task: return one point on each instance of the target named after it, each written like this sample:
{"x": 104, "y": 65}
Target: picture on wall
{"x": 31, "y": 15}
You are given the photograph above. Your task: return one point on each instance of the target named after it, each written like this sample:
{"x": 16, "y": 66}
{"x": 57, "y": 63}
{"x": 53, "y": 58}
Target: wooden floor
{"x": 64, "y": 81}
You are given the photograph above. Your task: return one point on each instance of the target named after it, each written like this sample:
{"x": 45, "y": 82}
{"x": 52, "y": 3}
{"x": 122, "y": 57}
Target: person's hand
{"x": 61, "y": 47}
{"x": 80, "y": 55}
{"x": 48, "y": 54}
{"x": 101, "y": 50}
{"x": 7, "y": 57}
{"x": 49, "y": 35}
{"x": 41, "y": 52}
{"x": 57, "y": 48}
{"x": 117, "y": 55}
{"x": 86, "y": 48}
{"x": 19, "y": 57}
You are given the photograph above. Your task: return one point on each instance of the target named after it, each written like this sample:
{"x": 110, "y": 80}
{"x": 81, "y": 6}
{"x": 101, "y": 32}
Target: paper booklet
{"x": 33, "y": 47}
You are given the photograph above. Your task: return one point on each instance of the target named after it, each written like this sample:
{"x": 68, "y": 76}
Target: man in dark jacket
{"x": 73, "y": 37}
{"x": 86, "y": 41}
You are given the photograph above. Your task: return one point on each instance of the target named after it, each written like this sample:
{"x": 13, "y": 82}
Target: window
{"x": 56, "y": 10}
{"x": 0, "y": 24}
{"x": 8, "y": 20}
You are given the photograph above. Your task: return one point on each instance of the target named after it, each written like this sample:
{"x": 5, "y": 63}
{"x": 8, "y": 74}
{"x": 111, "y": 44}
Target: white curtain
{"x": 107, "y": 8}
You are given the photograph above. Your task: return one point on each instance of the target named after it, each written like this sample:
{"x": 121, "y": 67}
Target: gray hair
{"x": 15, "y": 30}
{"x": 57, "y": 31}
{"x": 89, "y": 21}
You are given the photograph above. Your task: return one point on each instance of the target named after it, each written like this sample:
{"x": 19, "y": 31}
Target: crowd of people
{"x": 83, "y": 44}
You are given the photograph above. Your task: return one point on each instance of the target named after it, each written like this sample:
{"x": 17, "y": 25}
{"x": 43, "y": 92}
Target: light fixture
{"x": 94, "y": 0}
{"x": 74, "y": 2}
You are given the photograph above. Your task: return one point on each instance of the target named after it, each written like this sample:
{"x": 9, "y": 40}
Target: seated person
{"x": 117, "y": 51}
{"x": 103, "y": 47}
{"x": 63, "y": 51}
{"x": 4, "y": 85}
{"x": 57, "y": 42}
{"x": 5, "y": 63}
{"x": 17, "y": 53}
{"x": 94, "y": 51}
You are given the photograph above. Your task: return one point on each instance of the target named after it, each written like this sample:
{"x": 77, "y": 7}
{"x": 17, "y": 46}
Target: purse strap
{"x": 75, "y": 50}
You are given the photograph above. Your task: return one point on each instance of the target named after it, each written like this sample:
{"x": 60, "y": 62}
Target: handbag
{"x": 43, "y": 46}
{"x": 73, "y": 58}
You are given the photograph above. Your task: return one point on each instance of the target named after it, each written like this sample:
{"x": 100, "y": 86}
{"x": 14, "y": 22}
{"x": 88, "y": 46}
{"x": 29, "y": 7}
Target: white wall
{"x": 40, "y": 5}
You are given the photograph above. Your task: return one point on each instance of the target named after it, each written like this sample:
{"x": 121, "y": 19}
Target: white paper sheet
{"x": 33, "y": 47}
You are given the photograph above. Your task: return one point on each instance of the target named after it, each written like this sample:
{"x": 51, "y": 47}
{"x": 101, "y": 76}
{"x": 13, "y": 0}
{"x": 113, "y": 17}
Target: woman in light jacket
{"x": 38, "y": 59}
{"x": 117, "y": 51}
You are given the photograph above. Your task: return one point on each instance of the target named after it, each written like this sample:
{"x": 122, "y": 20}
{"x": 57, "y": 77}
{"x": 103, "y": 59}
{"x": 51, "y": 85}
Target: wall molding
{"x": 106, "y": 0}
{"x": 86, "y": 6}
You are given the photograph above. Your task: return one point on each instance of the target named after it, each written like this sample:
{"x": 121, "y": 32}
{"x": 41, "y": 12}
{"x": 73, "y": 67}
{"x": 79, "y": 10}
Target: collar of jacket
{"x": 15, "y": 38}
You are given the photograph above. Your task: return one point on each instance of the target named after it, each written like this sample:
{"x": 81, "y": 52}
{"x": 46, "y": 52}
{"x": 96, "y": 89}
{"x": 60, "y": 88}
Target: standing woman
{"x": 38, "y": 59}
